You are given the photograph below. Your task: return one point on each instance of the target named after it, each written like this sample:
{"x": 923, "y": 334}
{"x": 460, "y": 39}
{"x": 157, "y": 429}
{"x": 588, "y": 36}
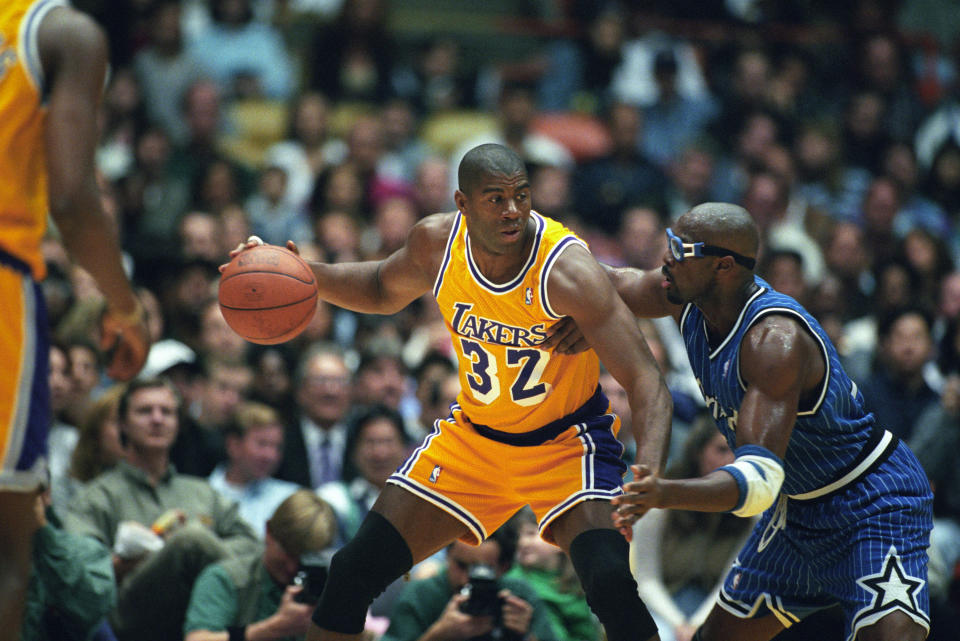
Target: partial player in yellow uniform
{"x": 530, "y": 426}
{"x": 52, "y": 70}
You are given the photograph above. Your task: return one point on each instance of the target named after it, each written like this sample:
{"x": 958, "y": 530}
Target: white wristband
{"x": 759, "y": 475}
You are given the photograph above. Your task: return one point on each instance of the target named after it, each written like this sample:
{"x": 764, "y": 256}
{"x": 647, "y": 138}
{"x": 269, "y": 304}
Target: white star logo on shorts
{"x": 892, "y": 585}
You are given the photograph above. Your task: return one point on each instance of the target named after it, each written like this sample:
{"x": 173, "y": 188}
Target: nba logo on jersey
{"x": 435, "y": 474}
{"x": 528, "y": 296}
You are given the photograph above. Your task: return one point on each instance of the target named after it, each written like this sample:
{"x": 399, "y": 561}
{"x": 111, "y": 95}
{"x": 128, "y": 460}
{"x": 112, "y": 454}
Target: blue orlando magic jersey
{"x": 829, "y": 437}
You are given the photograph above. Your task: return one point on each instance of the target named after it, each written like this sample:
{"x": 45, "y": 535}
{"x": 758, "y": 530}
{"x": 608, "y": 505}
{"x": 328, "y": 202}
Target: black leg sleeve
{"x": 359, "y": 572}
{"x": 601, "y": 559}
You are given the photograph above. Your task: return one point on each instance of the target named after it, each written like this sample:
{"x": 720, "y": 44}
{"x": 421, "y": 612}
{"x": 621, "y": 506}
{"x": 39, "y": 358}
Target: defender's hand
{"x": 125, "y": 340}
{"x": 564, "y": 337}
{"x": 639, "y": 495}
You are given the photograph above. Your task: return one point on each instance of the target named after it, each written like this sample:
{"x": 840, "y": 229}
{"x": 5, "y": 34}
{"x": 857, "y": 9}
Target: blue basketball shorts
{"x": 863, "y": 546}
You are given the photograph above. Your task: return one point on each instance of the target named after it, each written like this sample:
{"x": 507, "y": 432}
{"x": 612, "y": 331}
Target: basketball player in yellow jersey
{"x": 530, "y": 426}
{"x": 52, "y": 71}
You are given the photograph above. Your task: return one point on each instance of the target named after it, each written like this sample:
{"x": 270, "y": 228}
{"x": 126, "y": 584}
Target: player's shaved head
{"x": 724, "y": 225}
{"x": 486, "y": 160}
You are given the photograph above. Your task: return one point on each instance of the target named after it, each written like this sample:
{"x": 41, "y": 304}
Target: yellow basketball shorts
{"x": 483, "y": 476}
{"x": 24, "y": 386}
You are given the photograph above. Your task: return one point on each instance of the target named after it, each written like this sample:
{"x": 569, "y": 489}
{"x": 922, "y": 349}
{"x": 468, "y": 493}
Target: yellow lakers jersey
{"x": 507, "y": 383}
{"x": 23, "y": 163}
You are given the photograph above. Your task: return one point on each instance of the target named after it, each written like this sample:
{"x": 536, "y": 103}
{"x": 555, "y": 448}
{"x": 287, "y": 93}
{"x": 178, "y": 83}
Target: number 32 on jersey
{"x": 523, "y": 367}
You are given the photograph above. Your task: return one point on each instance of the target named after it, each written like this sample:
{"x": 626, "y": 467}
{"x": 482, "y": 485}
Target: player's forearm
{"x": 715, "y": 492}
{"x": 91, "y": 242}
{"x": 355, "y": 286}
{"x": 652, "y": 410}
{"x": 625, "y": 280}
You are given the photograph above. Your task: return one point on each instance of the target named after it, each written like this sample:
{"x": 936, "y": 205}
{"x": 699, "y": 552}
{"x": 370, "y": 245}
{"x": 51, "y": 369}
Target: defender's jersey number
{"x": 527, "y": 388}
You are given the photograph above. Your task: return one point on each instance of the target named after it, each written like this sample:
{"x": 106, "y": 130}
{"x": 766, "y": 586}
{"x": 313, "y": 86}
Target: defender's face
{"x": 498, "y": 212}
{"x": 685, "y": 280}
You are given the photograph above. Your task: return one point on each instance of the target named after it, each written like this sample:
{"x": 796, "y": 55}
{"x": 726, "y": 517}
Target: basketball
{"x": 267, "y": 294}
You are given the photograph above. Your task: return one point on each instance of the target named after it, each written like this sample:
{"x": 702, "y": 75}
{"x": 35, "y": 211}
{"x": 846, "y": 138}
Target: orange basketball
{"x": 268, "y": 294}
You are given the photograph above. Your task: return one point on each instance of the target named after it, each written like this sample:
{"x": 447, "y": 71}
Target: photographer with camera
{"x": 269, "y": 595}
{"x": 471, "y": 599}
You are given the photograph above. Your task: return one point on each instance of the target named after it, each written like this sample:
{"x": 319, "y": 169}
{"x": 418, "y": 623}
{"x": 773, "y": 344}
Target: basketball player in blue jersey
{"x": 846, "y": 508}
{"x": 529, "y": 427}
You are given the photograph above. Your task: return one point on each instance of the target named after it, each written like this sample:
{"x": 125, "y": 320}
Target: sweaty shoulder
{"x": 778, "y": 351}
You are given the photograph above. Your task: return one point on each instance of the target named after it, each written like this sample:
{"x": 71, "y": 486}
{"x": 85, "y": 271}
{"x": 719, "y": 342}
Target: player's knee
{"x": 357, "y": 567}
{"x": 600, "y": 558}
{"x": 359, "y": 572}
{"x": 894, "y": 626}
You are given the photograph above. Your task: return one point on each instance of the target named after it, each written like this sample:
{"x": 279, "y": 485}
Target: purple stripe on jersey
{"x": 548, "y": 265}
{"x": 446, "y": 254}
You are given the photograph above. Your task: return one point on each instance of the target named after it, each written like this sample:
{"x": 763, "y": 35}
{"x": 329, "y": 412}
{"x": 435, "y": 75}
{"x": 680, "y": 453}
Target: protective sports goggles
{"x": 680, "y": 250}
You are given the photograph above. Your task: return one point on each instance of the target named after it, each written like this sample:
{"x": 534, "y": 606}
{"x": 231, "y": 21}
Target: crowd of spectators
{"x": 837, "y": 125}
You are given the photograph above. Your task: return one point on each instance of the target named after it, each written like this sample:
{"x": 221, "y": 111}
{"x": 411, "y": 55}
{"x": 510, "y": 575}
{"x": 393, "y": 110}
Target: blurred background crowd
{"x": 339, "y": 123}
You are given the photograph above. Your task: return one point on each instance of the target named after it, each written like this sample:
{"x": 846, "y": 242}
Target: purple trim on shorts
{"x": 442, "y": 502}
{"x": 39, "y": 415}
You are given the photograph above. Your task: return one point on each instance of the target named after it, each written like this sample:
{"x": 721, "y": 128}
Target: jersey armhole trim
{"x": 28, "y": 46}
{"x": 786, "y": 311}
{"x": 565, "y": 242}
{"x": 454, "y": 229}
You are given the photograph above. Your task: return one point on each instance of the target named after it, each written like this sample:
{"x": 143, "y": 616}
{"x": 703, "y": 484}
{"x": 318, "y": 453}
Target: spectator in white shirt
{"x": 254, "y": 443}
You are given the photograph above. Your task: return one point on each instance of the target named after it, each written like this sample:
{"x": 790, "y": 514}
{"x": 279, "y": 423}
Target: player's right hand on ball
{"x": 250, "y": 242}
{"x": 254, "y": 241}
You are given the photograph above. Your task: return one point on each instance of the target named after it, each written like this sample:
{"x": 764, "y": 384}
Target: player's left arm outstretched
{"x": 778, "y": 362}
{"x": 579, "y": 288}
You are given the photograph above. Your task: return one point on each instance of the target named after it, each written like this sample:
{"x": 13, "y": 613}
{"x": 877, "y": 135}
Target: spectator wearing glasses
{"x": 314, "y": 444}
